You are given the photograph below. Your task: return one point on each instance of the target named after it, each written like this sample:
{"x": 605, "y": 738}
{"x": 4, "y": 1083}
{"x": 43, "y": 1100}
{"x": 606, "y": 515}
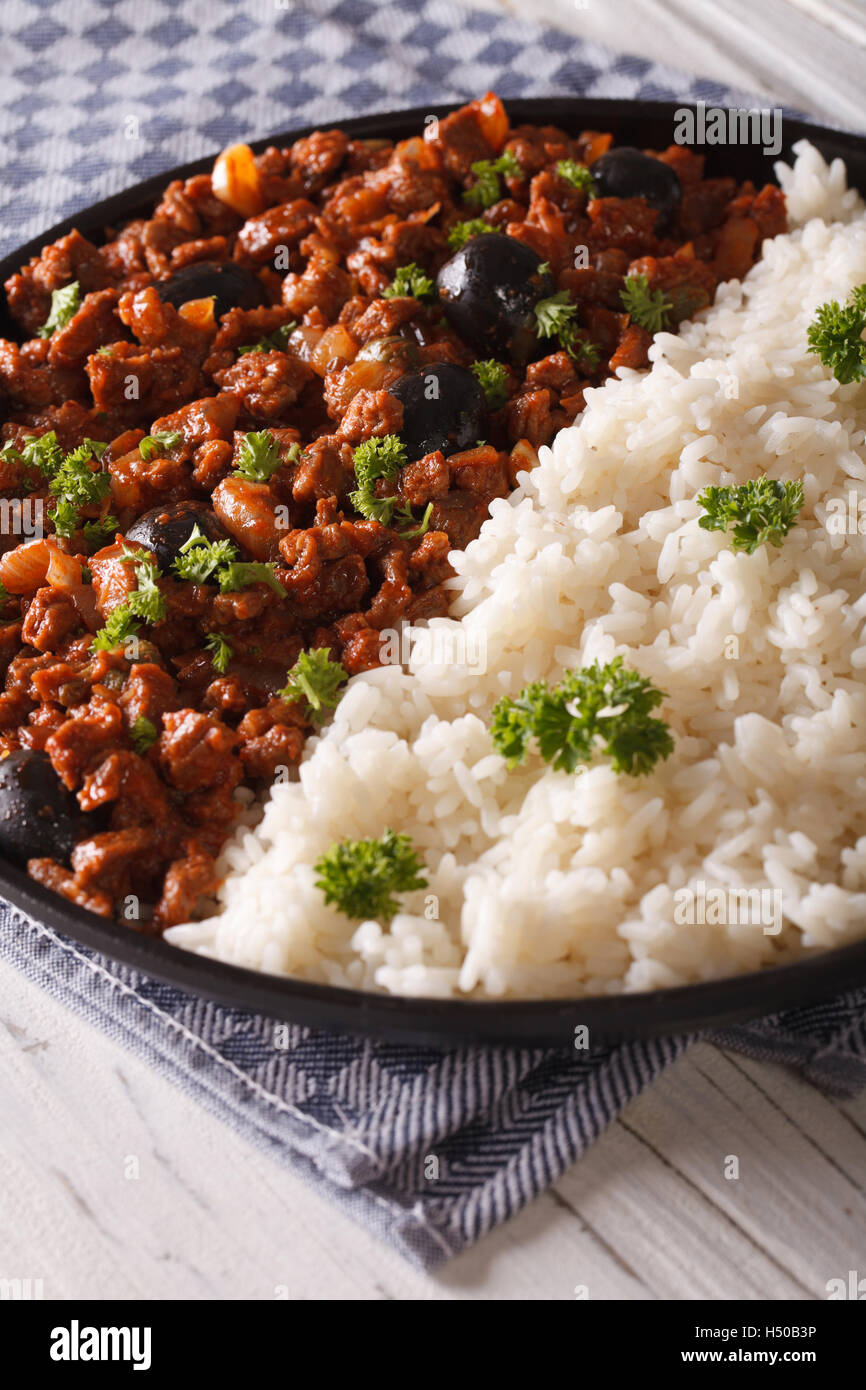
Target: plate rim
{"x": 439, "y": 1022}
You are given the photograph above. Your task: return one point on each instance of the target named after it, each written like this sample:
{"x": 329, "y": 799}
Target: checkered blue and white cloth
{"x": 97, "y": 94}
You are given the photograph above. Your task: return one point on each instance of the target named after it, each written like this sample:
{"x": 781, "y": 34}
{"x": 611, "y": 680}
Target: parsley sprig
{"x": 411, "y": 280}
{"x": 65, "y": 304}
{"x": 382, "y": 457}
{"x": 258, "y": 457}
{"x": 221, "y": 651}
{"x": 72, "y": 479}
{"x": 360, "y": 877}
{"x": 144, "y": 734}
{"x": 492, "y": 377}
{"x": 146, "y": 603}
{"x": 554, "y": 318}
{"x": 487, "y": 189}
{"x": 836, "y": 335}
{"x": 603, "y": 709}
{"x": 158, "y": 442}
{"x": 760, "y": 512}
{"x": 579, "y": 175}
{"x": 647, "y": 308}
{"x": 200, "y": 558}
{"x": 271, "y": 342}
{"x": 315, "y": 680}
{"x": 460, "y": 233}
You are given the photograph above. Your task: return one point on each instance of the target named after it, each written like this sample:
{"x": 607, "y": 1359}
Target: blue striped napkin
{"x": 429, "y": 1149}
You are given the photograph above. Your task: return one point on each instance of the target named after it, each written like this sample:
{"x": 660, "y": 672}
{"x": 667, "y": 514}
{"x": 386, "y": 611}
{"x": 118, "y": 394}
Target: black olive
{"x": 165, "y": 529}
{"x": 39, "y": 816}
{"x": 489, "y": 291}
{"x": 232, "y": 285}
{"x": 443, "y": 408}
{"x": 628, "y": 173}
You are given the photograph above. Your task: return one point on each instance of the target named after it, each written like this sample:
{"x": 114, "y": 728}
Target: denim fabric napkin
{"x": 98, "y": 94}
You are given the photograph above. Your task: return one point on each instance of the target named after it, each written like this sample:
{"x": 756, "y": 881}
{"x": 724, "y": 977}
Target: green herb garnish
{"x": 100, "y": 533}
{"x": 462, "y": 231}
{"x": 577, "y": 174}
{"x": 144, "y": 734}
{"x": 410, "y": 280}
{"x": 258, "y": 457}
{"x": 65, "y": 304}
{"x": 836, "y": 335}
{"x": 271, "y": 342}
{"x": 221, "y": 651}
{"x": 487, "y": 189}
{"x": 554, "y": 318}
{"x": 315, "y": 679}
{"x": 200, "y": 558}
{"x": 761, "y": 512}
{"x": 382, "y": 457}
{"x": 239, "y": 574}
{"x": 144, "y": 604}
{"x": 406, "y": 517}
{"x": 648, "y": 309}
{"x": 598, "y": 709}
{"x": 492, "y": 377}
{"x": 360, "y": 877}
{"x": 158, "y": 442}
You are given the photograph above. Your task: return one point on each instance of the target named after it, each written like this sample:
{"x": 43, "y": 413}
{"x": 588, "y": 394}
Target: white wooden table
{"x": 648, "y": 1213}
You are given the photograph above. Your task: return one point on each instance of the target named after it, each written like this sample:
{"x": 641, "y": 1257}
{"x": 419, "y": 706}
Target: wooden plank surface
{"x": 648, "y": 1213}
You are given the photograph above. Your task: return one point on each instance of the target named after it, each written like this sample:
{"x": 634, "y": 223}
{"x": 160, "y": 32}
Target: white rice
{"x": 541, "y": 883}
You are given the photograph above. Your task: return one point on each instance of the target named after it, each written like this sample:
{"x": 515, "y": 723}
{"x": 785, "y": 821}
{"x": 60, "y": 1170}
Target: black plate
{"x": 451, "y": 1021}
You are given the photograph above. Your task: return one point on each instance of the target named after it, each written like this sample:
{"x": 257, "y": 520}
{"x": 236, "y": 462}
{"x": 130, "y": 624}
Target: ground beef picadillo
{"x": 294, "y": 252}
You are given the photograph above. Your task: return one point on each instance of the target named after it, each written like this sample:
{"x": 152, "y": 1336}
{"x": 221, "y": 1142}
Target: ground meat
{"x": 371, "y": 413}
{"x": 265, "y": 384}
{"x": 283, "y": 226}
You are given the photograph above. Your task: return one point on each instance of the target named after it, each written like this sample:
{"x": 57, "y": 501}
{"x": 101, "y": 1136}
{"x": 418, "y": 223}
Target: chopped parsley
{"x": 603, "y": 709}
{"x": 761, "y": 512}
{"x": 258, "y": 457}
{"x": 65, "y": 304}
{"x": 360, "y": 877}
{"x": 143, "y": 733}
{"x": 271, "y": 342}
{"x": 554, "y": 318}
{"x": 405, "y": 516}
{"x": 74, "y": 483}
{"x": 100, "y": 533}
{"x": 579, "y": 175}
{"x": 315, "y": 679}
{"x": 836, "y": 335}
{"x": 221, "y": 651}
{"x": 119, "y": 625}
{"x": 382, "y": 457}
{"x": 487, "y": 189}
{"x": 200, "y": 558}
{"x": 647, "y": 308}
{"x": 492, "y": 377}
{"x": 410, "y": 280}
{"x": 144, "y": 604}
{"x": 158, "y": 442}
{"x": 240, "y": 573}
{"x": 460, "y": 233}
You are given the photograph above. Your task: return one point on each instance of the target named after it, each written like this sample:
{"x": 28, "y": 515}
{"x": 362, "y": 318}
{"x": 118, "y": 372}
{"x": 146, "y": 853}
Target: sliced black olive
{"x": 165, "y": 529}
{"x": 443, "y": 408}
{"x": 232, "y": 285}
{"x": 628, "y": 173}
{"x": 39, "y": 816}
{"x": 489, "y": 291}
